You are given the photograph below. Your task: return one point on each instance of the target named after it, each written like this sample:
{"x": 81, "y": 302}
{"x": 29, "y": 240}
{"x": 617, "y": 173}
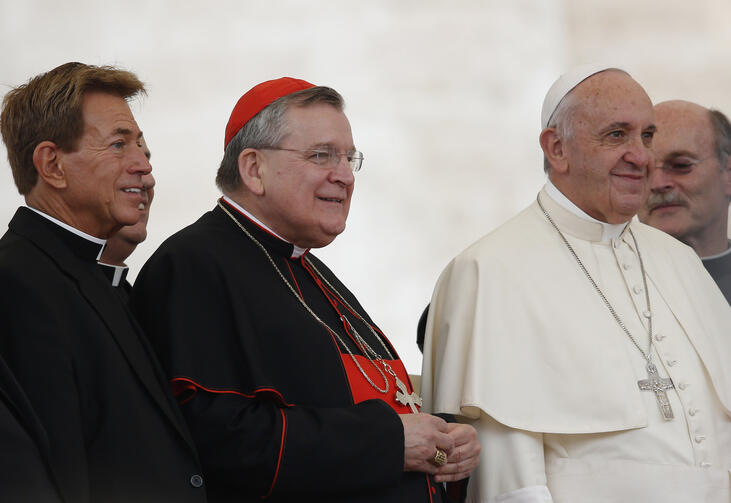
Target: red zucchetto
{"x": 259, "y": 97}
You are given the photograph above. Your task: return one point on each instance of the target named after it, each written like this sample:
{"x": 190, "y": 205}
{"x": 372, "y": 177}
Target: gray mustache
{"x": 664, "y": 198}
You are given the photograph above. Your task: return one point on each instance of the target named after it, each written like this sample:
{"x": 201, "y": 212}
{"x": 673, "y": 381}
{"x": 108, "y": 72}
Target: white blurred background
{"x": 443, "y": 97}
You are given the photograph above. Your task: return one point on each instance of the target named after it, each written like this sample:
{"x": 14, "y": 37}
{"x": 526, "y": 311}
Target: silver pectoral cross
{"x": 658, "y": 384}
{"x": 404, "y": 397}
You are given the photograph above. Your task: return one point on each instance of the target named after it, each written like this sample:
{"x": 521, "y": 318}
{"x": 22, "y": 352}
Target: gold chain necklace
{"x": 402, "y": 394}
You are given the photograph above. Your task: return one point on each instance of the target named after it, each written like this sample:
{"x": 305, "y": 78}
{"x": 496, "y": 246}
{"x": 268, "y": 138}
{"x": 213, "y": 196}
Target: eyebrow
{"x": 680, "y": 153}
{"x": 125, "y": 132}
{"x": 329, "y": 146}
{"x": 627, "y": 125}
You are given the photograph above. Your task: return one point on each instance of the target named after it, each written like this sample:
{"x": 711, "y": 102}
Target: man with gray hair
{"x": 291, "y": 391}
{"x": 690, "y": 185}
{"x": 589, "y": 350}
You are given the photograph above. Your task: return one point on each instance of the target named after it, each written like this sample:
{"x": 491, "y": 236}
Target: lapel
{"x": 99, "y": 294}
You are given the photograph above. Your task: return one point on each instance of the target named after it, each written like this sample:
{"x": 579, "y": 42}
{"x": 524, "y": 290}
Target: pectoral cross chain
{"x": 404, "y": 397}
{"x": 658, "y": 384}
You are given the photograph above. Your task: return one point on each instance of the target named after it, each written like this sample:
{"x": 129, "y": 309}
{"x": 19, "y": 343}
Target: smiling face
{"x": 122, "y": 243}
{"x": 306, "y": 203}
{"x": 104, "y": 173}
{"x": 606, "y": 158}
{"x": 689, "y": 190}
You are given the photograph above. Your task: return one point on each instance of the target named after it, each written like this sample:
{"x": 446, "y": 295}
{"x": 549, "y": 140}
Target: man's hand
{"x": 423, "y": 434}
{"x": 465, "y": 456}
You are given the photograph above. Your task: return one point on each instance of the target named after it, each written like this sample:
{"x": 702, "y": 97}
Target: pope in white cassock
{"x": 592, "y": 352}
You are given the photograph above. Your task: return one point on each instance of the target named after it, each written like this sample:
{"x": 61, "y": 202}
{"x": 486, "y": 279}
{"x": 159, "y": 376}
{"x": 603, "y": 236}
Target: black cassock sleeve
{"x": 256, "y": 446}
{"x": 254, "y": 441}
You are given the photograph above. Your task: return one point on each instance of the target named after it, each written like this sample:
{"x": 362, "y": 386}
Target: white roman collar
{"x": 118, "y": 272}
{"x": 89, "y": 237}
{"x": 297, "y": 252}
{"x": 609, "y": 231}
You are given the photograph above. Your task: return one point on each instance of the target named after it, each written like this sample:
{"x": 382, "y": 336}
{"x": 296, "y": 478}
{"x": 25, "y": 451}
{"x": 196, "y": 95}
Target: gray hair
{"x": 267, "y": 129}
{"x": 562, "y": 121}
{"x": 722, "y": 136}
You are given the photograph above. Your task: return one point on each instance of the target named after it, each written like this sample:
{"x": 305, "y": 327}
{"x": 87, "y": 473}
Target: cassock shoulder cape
{"x": 516, "y": 330}
{"x": 275, "y": 404}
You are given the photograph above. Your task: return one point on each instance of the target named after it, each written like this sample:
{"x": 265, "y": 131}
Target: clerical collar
{"x": 609, "y": 231}
{"x": 297, "y": 252}
{"x": 101, "y": 243}
{"x": 116, "y": 274}
{"x": 719, "y": 255}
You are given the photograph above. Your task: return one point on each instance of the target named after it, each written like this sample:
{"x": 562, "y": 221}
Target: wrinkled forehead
{"x": 322, "y": 122}
{"x": 683, "y": 127}
{"x": 613, "y": 96}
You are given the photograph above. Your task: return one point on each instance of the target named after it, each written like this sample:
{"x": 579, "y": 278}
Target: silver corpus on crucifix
{"x": 654, "y": 382}
{"x": 405, "y": 398}
{"x": 658, "y": 385}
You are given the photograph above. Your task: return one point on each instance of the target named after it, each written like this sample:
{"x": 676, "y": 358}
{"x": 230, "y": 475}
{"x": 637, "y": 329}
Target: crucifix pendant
{"x": 658, "y": 384}
{"x": 405, "y": 398}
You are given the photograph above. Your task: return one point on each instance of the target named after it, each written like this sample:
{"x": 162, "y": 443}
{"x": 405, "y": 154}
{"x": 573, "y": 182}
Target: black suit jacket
{"x": 115, "y": 433}
{"x": 25, "y": 473}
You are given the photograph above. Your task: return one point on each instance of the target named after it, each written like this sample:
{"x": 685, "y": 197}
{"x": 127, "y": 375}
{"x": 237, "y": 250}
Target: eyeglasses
{"x": 326, "y": 156}
{"x": 681, "y": 164}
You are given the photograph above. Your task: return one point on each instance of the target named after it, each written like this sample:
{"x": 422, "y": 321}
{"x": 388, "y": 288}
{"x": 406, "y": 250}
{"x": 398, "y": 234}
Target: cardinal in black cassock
{"x": 288, "y": 387}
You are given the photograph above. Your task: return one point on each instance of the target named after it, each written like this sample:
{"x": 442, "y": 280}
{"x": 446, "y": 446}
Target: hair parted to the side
{"x": 722, "y": 136}
{"x": 49, "y": 108}
{"x": 267, "y": 129}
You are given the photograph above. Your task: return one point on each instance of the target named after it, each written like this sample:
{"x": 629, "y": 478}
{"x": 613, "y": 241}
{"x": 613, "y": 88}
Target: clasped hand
{"x": 424, "y": 433}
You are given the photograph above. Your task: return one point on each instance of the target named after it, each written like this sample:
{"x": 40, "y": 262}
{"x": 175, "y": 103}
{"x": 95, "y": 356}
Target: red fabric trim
{"x": 281, "y": 452}
{"x": 182, "y": 385}
{"x": 291, "y": 273}
{"x": 334, "y": 300}
{"x": 362, "y": 389}
{"x": 430, "y": 489}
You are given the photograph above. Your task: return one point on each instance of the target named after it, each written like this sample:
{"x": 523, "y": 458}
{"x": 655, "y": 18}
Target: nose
{"x": 660, "y": 179}
{"x": 341, "y": 172}
{"x": 638, "y": 154}
{"x": 148, "y": 184}
{"x": 139, "y": 162}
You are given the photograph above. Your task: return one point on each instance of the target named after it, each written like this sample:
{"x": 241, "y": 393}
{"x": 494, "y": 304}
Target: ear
{"x": 250, "y": 164}
{"x": 49, "y": 166}
{"x": 554, "y": 149}
{"x": 726, "y": 177}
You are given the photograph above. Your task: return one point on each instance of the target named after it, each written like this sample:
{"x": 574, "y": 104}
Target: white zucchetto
{"x": 565, "y": 84}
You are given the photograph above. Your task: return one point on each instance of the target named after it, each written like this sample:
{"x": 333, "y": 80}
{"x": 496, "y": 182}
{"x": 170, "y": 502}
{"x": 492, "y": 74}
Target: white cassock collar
{"x": 609, "y": 231}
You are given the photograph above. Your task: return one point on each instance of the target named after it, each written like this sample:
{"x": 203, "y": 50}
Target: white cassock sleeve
{"x": 512, "y": 466}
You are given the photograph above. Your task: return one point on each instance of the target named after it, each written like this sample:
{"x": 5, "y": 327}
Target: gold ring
{"x": 440, "y": 457}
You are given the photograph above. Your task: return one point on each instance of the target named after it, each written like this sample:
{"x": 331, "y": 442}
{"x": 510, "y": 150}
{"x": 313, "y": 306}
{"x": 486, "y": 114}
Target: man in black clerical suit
{"x": 290, "y": 390}
{"x": 114, "y": 431}
{"x": 25, "y": 473}
{"x": 123, "y": 242}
